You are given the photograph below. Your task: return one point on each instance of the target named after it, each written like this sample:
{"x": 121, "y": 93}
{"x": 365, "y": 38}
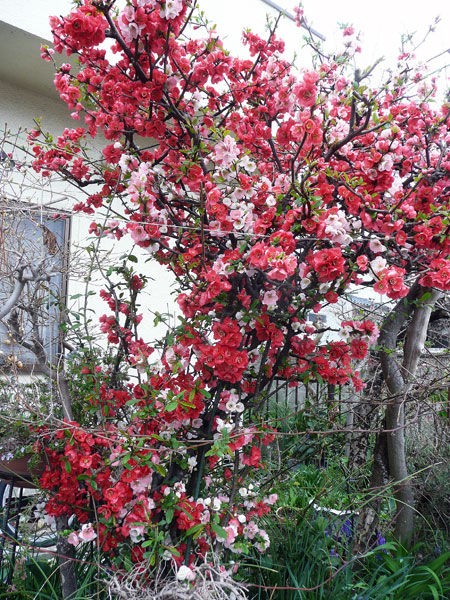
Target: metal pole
{"x": 290, "y": 16}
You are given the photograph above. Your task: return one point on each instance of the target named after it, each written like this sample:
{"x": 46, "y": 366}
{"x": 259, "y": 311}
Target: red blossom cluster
{"x": 268, "y": 194}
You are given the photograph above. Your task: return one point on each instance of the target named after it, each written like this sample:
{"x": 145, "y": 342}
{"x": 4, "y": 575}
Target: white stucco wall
{"x": 19, "y": 107}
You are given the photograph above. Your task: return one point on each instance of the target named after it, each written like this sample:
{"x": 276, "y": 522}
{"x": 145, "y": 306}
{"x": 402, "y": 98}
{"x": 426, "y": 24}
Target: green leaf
{"x": 160, "y": 469}
{"x": 125, "y": 459}
{"x": 439, "y": 561}
{"x": 132, "y": 402}
{"x": 219, "y": 531}
{"x": 434, "y": 592}
{"x": 195, "y": 530}
{"x": 171, "y": 406}
{"x": 169, "y": 515}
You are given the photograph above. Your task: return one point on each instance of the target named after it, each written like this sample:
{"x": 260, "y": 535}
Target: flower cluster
{"x": 267, "y": 193}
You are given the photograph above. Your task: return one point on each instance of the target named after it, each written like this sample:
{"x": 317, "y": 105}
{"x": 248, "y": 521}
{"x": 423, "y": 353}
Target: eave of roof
{"x": 20, "y": 62}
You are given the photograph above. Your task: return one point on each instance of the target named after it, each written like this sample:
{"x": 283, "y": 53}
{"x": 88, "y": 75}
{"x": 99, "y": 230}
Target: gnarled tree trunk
{"x": 397, "y": 375}
{"x": 66, "y": 555}
{"x": 418, "y": 303}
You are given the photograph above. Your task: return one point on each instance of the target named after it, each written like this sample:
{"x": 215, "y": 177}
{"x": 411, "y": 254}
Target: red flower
{"x": 228, "y": 332}
{"x": 329, "y": 264}
{"x": 391, "y": 283}
{"x": 358, "y": 348}
{"x": 85, "y": 27}
{"x": 362, "y": 262}
{"x": 258, "y": 255}
{"x": 306, "y": 95}
{"x": 254, "y": 458}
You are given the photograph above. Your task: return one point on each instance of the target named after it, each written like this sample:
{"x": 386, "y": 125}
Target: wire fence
{"x": 283, "y": 400}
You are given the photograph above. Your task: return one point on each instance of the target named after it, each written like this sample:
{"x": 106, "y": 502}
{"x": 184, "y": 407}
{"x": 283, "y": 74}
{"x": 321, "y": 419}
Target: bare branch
{"x": 25, "y": 273}
{"x": 13, "y": 299}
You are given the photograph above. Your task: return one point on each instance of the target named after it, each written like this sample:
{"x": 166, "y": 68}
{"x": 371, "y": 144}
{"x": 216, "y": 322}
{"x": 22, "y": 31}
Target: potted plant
{"x": 21, "y": 412}
{"x": 18, "y": 463}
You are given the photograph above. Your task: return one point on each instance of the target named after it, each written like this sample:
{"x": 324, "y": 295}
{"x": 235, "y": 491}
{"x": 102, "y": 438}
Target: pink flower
{"x": 136, "y": 533}
{"x": 226, "y": 152}
{"x": 73, "y": 539}
{"x": 142, "y": 484}
{"x": 362, "y": 262}
{"x": 251, "y": 530}
{"x": 171, "y": 9}
{"x": 376, "y": 246}
{"x": 378, "y": 264}
{"x": 87, "y": 533}
{"x": 137, "y": 232}
{"x": 232, "y": 532}
{"x": 129, "y": 29}
{"x": 298, "y": 14}
{"x": 282, "y": 266}
{"x": 270, "y": 298}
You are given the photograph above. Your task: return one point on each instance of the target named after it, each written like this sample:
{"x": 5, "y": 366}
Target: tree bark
{"x": 418, "y": 303}
{"x": 66, "y": 554}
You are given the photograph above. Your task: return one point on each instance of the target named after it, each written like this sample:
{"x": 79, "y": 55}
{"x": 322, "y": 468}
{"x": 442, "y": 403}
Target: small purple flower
{"x": 380, "y": 539}
{"x": 347, "y": 529}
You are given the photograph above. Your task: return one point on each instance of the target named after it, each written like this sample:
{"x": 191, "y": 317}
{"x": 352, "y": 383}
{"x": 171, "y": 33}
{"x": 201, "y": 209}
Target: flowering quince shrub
{"x": 268, "y": 192}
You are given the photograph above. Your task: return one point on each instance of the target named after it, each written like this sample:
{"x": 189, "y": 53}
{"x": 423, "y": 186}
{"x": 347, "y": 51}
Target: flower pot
{"x": 22, "y": 471}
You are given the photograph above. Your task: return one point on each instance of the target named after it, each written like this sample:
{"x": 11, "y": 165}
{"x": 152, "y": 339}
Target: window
{"x": 33, "y": 268}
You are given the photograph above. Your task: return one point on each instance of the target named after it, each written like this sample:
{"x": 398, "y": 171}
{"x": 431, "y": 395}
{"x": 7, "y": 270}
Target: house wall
{"x": 19, "y": 107}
